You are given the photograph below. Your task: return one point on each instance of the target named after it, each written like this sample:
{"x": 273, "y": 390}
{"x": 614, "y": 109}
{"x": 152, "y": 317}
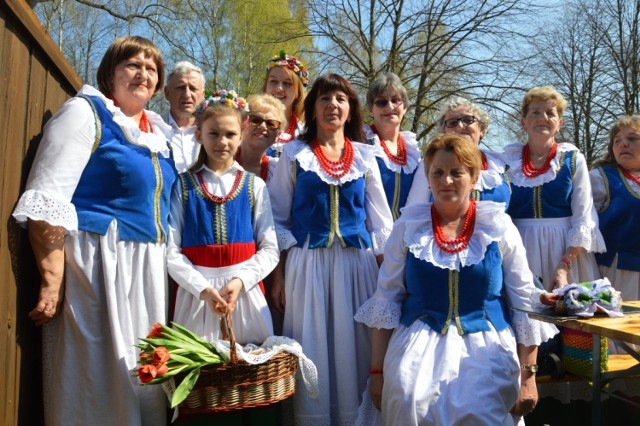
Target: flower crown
{"x": 284, "y": 60}
{"x": 224, "y": 97}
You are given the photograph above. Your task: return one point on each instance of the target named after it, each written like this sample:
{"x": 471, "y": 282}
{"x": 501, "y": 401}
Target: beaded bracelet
{"x": 375, "y": 371}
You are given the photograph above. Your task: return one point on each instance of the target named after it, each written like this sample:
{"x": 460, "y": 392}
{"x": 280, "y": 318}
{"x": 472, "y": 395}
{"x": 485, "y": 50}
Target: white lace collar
{"x": 362, "y": 160}
{"x": 155, "y": 142}
{"x": 279, "y": 146}
{"x": 492, "y": 177}
{"x": 419, "y": 238}
{"x": 413, "y": 153}
{"x": 513, "y": 157}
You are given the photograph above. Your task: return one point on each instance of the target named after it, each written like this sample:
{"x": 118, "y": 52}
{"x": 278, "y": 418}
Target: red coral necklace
{"x": 215, "y": 198}
{"x": 527, "y": 166}
{"x": 144, "y": 124}
{"x": 628, "y": 175}
{"x": 401, "y": 158}
{"x": 290, "y": 132}
{"x": 339, "y": 168}
{"x": 484, "y": 162}
{"x": 456, "y": 244}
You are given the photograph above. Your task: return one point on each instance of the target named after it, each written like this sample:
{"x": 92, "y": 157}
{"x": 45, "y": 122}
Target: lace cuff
{"x": 286, "y": 239}
{"x": 586, "y": 237}
{"x": 379, "y": 240}
{"x": 378, "y": 313}
{"x": 40, "y": 205}
{"x": 529, "y": 331}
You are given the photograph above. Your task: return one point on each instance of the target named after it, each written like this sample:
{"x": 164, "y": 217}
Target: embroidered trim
{"x": 98, "y": 123}
{"x": 157, "y": 196}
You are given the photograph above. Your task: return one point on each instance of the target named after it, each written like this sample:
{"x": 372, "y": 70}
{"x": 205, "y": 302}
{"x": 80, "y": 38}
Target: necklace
{"x": 629, "y": 176}
{"x": 215, "y": 198}
{"x": 144, "y": 124}
{"x": 484, "y": 162}
{"x": 264, "y": 163}
{"x": 289, "y": 134}
{"x": 458, "y": 244}
{"x": 401, "y": 158}
{"x": 527, "y": 166}
{"x": 339, "y": 168}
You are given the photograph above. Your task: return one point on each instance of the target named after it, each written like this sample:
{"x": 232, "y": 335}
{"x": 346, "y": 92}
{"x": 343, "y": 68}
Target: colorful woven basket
{"x": 238, "y": 385}
{"x": 577, "y": 352}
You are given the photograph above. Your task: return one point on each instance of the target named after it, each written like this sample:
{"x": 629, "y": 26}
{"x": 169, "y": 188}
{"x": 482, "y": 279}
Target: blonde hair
{"x": 122, "y": 49}
{"x": 213, "y": 111}
{"x": 466, "y": 151}
{"x": 625, "y": 121}
{"x": 270, "y": 103}
{"x": 298, "y": 89}
{"x": 543, "y": 93}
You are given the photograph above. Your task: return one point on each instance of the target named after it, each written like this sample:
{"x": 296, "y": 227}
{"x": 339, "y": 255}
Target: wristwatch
{"x": 532, "y": 367}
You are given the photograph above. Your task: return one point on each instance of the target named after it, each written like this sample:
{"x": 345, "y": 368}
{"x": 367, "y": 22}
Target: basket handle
{"x": 227, "y": 334}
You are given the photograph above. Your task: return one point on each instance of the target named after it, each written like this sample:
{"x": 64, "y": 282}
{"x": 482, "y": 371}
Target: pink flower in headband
{"x": 225, "y": 97}
{"x": 284, "y": 60}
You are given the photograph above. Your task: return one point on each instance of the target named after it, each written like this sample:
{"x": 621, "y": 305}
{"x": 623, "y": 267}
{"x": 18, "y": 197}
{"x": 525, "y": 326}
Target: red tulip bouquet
{"x": 168, "y": 351}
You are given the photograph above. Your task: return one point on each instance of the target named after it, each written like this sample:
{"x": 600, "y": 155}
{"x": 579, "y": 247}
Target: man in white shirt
{"x": 184, "y": 91}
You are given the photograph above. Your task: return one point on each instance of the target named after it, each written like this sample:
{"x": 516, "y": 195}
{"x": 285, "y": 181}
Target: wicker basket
{"x": 238, "y": 385}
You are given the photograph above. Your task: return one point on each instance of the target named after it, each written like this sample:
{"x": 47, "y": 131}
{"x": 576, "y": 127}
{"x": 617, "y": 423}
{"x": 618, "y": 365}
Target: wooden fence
{"x": 35, "y": 80}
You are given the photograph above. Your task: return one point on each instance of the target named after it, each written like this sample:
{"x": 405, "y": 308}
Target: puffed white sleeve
{"x": 382, "y": 310}
{"x": 584, "y": 230}
{"x": 267, "y": 254}
{"x": 520, "y": 290}
{"x": 281, "y": 187}
{"x": 179, "y": 266}
{"x": 379, "y": 220}
{"x": 64, "y": 152}
{"x": 598, "y": 189}
{"x": 420, "y": 191}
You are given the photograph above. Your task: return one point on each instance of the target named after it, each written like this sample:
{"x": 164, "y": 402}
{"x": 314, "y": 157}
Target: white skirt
{"x": 324, "y": 289}
{"x": 251, "y": 319}
{"x": 545, "y": 241}
{"x": 430, "y": 379}
{"x": 114, "y": 292}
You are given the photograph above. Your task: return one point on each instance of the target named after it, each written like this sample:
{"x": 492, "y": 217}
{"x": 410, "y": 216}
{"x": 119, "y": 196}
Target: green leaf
{"x": 185, "y": 387}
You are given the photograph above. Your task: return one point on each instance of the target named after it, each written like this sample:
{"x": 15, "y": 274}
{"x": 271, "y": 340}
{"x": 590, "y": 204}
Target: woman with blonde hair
{"x": 286, "y": 80}
{"x": 551, "y": 202}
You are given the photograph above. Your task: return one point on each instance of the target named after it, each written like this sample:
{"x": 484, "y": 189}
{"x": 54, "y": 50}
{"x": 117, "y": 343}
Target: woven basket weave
{"x": 577, "y": 352}
{"x": 238, "y": 385}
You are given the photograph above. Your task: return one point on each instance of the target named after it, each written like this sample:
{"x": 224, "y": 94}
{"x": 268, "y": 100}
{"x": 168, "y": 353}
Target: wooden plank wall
{"x": 35, "y": 80}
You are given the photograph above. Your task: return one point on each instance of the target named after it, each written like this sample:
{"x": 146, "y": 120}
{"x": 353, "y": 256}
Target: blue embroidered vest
{"x": 619, "y": 222}
{"x": 326, "y": 212}
{"x": 123, "y": 181}
{"x": 396, "y": 187}
{"x": 550, "y": 200}
{"x": 499, "y": 194}
{"x": 468, "y": 299}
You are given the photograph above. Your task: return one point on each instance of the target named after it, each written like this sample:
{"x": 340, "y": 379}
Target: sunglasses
{"x": 271, "y": 124}
{"x": 382, "y": 103}
{"x": 467, "y": 120}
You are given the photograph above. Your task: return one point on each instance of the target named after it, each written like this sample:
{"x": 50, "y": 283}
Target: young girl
{"x": 222, "y": 240}
{"x": 286, "y": 80}
{"x": 265, "y": 123}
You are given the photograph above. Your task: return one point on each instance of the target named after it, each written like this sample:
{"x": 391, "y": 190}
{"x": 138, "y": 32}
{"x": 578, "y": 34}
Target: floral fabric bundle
{"x": 584, "y": 299}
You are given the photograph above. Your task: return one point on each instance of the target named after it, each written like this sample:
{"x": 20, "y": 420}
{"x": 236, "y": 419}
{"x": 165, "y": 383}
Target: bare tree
{"x": 438, "y": 48}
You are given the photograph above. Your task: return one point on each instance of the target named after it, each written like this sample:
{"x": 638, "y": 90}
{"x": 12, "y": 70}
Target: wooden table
{"x": 623, "y": 331}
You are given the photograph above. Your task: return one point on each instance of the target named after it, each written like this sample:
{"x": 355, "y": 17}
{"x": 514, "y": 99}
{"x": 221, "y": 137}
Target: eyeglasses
{"x": 271, "y": 124}
{"x": 467, "y": 120}
{"x": 382, "y": 103}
